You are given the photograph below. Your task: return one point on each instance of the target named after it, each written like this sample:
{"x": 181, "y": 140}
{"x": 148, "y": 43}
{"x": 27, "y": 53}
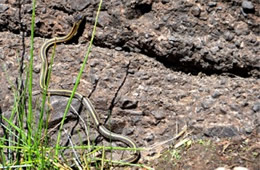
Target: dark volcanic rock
{"x": 221, "y": 132}
{"x": 155, "y": 65}
{"x": 248, "y": 7}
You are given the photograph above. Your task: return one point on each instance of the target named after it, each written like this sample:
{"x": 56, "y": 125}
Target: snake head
{"x": 78, "y": 18}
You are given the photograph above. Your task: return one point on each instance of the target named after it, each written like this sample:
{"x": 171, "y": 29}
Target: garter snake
{"x": 86, "y": 102}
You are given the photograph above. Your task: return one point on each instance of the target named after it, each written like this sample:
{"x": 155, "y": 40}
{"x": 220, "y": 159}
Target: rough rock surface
{"x": 156, "y": 65}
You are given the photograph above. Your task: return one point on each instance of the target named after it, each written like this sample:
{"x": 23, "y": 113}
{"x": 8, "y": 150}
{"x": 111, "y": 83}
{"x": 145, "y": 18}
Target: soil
{"x": 156, "y": 66}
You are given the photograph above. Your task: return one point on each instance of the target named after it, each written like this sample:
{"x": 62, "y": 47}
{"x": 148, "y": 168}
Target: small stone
{"x": 256, "y": 107}
{"x": 221, "y": 131}
{"x": 214, "y": 50}
{"x": 241, "y": 28}
{"x": 135, "y": 112}
{"x": 206, "y": 104}
{"x": 129, "y": 131}
{"x": 79, "y": 5}
{"x": 237, "y": 43}
{"x": 2, "y": 57}
{"x": 74, "y": 79}
{"x": 172, "y": 38}
{"x": 240, "y": 168}
{"x": 228, "y": 36}
{"x": 118, "y": 48}
{"x": 223, "y": 110}
{"x": 158, "y": 114}
{"x": 136, "y": 119}
{"x": 216, "y": 94}
{"x": 222, "y": 168}
{"x": 165, "y": 1}
{"x": 234, "y": 107}
{"x": 248, "y": 7}
{"x": 3, "y": 8}
{"x": 212, "y": 4}
{"x": 195, "y": 11}
{"x": 94, "y": 78}
{"x": 149, "y": 137}
{"x": 127, "y": 103}
{"x": 37, "y": 69}
{"x": 249, "y": 129}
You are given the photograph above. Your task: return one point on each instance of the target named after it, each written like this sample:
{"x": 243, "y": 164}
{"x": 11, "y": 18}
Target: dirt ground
{"x": 211, "y": 154}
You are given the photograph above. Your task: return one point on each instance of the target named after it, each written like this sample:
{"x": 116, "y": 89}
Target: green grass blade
{"x": 30, "y": 109}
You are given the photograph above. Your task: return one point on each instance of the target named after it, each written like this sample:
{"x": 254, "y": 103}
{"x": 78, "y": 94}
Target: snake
{"x": 109, "y": 135}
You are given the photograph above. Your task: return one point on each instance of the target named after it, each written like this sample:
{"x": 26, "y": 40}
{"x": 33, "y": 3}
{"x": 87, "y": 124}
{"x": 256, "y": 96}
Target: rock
{"x": 212, "y": 4}
{"x": 256, "y": 107}
{"x": 207, "y": 103}
{"x": 195, "y": 11}
{"x": 127, "y": 103}
{"x": 248, "y": 129}
{"x": 240, "y": 168}
{"x": 3, "y": 8}
{"x": 241, "y": 28}
{"x": 158, "y": 114}
{"x": 221, "y": 131}
{"x": 216, "y": 94}
{"x": 2, "y": 57}
{"x": 118, "y": 48}
{"x": 149, "y": 137}
{"x": 94, "y": 79}
{"x": 248, "y": 7}
{"x": 165, "y": 1}
{"x": 214, "y": 49}
{"x": 222, "y": 168}
{"x": 79, "y": 5}
{"x": 228, "y": 36}
{"x": 234, "y": 107}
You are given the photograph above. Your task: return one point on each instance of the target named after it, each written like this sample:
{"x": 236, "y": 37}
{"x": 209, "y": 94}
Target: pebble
{"x": 212, "y": 4}
{"x": 129, "y": 131}
{"x": 256, "y": 107}
{"x": 79, "y": 5}
{"x": 195, "y": 11}
{"x": 240, "y": 168}
{"x": 2, "y": 56}
{"x": 149, "y": 137}
{"x": 214, "y": 50}
{"x": 118, "y": 48}
{"x": 222, "y": 168}
{"x": 94, "y": 78}
{"x": 158, "y": 114}
{"x": 248, "y": 7}
{"x": 249, "y": 129}
{"x": 228, "y": 36}
{"x": 221, "y": 131}
{"x": 165, "y": 1}
{"x": 127, "y": 103}
{"x": 3, "y": 8}
{"x": 135, "y": 112}
{"x": 206, "y": 104}
{"x": 216, "y": 94}
{"x": 241, "y": 28}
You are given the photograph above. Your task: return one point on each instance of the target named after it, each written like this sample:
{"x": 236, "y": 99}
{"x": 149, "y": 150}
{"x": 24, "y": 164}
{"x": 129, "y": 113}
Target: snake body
{"x": 86, "y": 102}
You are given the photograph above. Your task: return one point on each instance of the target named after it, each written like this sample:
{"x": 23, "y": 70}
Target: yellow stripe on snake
{"x": 86, "y": 102}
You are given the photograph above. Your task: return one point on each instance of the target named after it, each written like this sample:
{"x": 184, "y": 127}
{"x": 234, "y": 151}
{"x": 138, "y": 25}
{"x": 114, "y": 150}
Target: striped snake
{"x": 86, "y": 102}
